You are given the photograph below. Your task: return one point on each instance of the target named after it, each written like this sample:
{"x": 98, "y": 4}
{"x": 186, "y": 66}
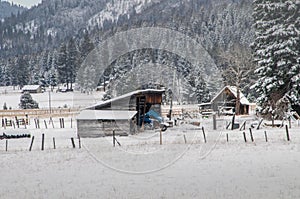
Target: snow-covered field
{"x": 141, "y": 167}
{"x": 72, "y": 99}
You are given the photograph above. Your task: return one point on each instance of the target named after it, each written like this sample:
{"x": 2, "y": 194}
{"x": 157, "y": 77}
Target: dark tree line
{"x": 48, "y": 68}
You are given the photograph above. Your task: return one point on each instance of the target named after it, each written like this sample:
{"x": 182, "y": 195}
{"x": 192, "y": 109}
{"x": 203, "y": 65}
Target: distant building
{"x": 32, "y": 89}
{"x": 122, "y": 114}
{"x": 226, "y": 99}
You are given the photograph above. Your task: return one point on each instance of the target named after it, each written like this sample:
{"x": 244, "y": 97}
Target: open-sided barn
{"x": 124, "y": 114}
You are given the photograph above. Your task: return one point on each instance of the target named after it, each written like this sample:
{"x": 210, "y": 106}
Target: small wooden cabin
{"x": 132, "y": 106}
{"x": 227, "y": 98}
{"x": 32, "y": 89}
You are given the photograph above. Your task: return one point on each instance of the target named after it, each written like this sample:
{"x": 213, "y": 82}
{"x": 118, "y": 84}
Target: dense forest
{"x": 8, "y": 10}
{"x": 47, "y": 43}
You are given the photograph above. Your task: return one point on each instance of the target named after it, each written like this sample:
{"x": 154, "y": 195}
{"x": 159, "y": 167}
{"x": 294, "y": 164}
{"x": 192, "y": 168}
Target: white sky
{"x": 26, "y": 3}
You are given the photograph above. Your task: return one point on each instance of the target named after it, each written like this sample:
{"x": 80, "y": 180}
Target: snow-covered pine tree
{"x": 26, "y": 102}
{"x": 276, "y": 51}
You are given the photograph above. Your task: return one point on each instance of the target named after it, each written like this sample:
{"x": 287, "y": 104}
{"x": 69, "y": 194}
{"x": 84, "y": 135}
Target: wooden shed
{"x": 131, "y": 106}
{"x": 227, "y": 98}
{"x": 32, "y": 89}
{"x": 100, "y": 123}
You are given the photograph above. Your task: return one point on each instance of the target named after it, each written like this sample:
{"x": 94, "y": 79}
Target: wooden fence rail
{"x": 38, "y": 112}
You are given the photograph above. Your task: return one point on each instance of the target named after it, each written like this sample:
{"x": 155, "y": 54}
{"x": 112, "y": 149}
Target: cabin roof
{"x": 105, "y": 115}
{"x": 137, "y": 92}
{"x": 31, "y": 87}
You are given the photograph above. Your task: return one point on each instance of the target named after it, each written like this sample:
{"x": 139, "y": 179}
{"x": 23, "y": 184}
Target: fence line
{"x": 39, "y": 112}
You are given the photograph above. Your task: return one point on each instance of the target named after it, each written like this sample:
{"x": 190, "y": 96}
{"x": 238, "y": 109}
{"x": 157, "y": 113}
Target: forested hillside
{"x": 37, "y": 45}
{"x": 7, "y": 9}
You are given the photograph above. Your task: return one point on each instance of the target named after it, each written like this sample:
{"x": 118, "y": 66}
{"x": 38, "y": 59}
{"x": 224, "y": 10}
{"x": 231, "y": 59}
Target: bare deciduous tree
{"x": 238, "y": 69}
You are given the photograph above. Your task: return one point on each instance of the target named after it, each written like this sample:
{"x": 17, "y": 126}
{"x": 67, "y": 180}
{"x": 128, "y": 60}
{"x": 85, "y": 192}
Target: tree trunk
{"x": 238, "y": 101}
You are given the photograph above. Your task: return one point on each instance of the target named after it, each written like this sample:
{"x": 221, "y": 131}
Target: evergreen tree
{"x": 276, "y": 51}
{"x": 26, "y": 102}
{"x": 4, "y": 106}
{"x": 1, "y": 75}
{"x": 53, "y": 78}
{"x": 86, "y": 47}
{"x": 13, "y": 72}
{"x": 6, "y": 77}
{"x": 61, "y": 64}
{"x": 22, "y": 71}
{"x": 71, "y": 62}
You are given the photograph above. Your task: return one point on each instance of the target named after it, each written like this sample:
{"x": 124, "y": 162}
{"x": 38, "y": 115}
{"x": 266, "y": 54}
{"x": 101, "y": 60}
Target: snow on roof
{"x": 30, "y": 87}
{"x": 125, "y": 96}
{"x": 233, "y": 90}
{"x": 105, "y": 115}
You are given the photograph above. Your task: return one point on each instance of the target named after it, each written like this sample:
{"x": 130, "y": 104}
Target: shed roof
{"x": 137, "y": 92}
{"x": 233, "y": 90}
{"x": 30, "y": 87}
{"x": 105, "y": 115}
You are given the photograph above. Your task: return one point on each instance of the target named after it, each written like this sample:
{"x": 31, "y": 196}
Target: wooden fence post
{"x": 6, "y": 145}
{"x": 13, "y": 122}
{"x": 251, "y": 135}
{"x": 184, "y": 138}
{"x": 52, "y": 122}
{"x": 114, "y": 139}
{"x": 259, "y": 124}
{"x": 228, "y": 125}
{"x": 45, "y": 124}
{"x": 54, "y": 145}
{"x": 214, "y": 122}
{"x": 73, "y": 143}
{"x": 17, "y": 122}
{"x": 243, "y": 127}
{"x": 43, "y": 141}
{"x": 245, "y": 136}
{"x": 287, "y": 133}
{"x": 266, "y": 136}
{"x": 32, "y": 139}
{"x": 160, "y": 137}
{"x": 227, "y": 138}
{"x": 79, "y": 142}
{"x": 232, "y": 123}
{"x": 204, "y": 137}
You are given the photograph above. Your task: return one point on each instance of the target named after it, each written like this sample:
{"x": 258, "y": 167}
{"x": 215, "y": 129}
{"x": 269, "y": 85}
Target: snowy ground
{"x": 142, "y": 168}
{"x": 71, "y": 99}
